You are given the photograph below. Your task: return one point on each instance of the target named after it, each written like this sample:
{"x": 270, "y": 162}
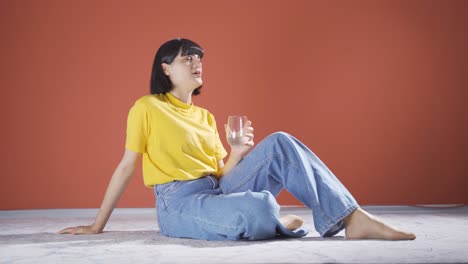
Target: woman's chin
{"x": 198, "y": 83}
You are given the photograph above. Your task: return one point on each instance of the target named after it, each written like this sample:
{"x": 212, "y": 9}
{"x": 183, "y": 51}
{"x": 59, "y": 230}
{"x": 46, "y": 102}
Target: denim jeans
{"x": 242, "y": 204}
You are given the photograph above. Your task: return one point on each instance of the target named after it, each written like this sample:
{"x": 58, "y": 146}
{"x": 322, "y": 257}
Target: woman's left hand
{"x": 246, "y": 142}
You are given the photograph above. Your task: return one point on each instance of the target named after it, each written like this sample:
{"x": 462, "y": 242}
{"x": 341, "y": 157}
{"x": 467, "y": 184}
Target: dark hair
{"x": 160, "y": 82}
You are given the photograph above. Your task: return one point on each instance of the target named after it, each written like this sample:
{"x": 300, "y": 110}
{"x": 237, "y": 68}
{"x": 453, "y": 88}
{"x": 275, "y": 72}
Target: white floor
{"x": 29, "y": 236}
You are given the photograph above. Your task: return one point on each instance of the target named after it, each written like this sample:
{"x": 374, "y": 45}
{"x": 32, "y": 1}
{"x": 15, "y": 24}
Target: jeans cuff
{"x": 335, "y": 228}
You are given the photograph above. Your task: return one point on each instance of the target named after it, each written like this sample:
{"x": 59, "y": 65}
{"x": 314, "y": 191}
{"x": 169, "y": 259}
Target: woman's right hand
{"x": 80, "y": 230}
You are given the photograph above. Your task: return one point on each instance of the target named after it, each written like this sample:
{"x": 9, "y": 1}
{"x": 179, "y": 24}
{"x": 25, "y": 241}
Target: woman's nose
{"x": 197, "y": 63}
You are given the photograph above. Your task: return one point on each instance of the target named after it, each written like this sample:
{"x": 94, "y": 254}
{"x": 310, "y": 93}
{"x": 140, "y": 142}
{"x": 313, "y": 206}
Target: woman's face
{"x": 185, "y": 72}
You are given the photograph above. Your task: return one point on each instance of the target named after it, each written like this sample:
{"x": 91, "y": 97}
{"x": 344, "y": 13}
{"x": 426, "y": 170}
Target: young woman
{"x": 198, "y": 196}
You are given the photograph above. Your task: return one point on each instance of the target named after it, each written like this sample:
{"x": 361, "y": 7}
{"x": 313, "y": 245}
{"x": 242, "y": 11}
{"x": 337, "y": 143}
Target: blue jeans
{"x": 242, "y": 204}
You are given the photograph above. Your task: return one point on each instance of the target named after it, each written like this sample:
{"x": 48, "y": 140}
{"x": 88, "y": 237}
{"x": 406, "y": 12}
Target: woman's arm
{"x": 117, "y": 185}
{"x": 234, "y": 158}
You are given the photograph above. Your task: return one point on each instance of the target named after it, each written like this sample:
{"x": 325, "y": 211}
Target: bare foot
{"x": 291, "y": 222}
{"x": 362, "y": 225}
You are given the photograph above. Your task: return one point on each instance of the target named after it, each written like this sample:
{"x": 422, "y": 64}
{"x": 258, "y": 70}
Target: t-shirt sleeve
{"x": 137, "y": 128}
{"x": 220, "y": 152}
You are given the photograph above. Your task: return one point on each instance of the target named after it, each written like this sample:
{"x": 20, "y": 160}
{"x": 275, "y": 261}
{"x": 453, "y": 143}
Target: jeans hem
{"x": 337, "y": 225}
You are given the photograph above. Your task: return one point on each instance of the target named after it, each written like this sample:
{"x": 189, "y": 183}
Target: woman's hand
{"x": 80, "y": 230}
{"x": 246, "y": 141}
{"x": 118, "y": 183}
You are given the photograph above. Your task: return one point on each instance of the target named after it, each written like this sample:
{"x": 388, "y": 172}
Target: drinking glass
{"x": 237, "y": 125}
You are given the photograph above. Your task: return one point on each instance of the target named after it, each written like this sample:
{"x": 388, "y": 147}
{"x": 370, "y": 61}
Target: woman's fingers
{"x": 249, "y": 130}
{"x": 66, "y": 230}
{"x": 77, "y": 230}
{"x": 249, "y": 135}
{"x": 69, "y": 230}
{"x": 249, "y": 143}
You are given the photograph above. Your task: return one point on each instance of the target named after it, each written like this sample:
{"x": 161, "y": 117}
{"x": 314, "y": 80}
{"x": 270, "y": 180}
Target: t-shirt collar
{"x": 176, "y": 102}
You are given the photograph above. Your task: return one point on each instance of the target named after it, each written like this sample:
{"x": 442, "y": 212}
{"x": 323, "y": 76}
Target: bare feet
{"x": 362, "y": 225}
{"x": 291, "y": 222}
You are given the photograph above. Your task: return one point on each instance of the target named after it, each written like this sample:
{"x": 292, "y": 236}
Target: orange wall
{"x": 376, "y": 88}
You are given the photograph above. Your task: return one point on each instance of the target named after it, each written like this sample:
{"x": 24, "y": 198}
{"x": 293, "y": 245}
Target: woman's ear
{"x": 166, "y": 68}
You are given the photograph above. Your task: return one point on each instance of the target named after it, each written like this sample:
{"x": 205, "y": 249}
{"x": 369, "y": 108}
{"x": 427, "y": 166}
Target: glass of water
{"x": 237, "y": 126}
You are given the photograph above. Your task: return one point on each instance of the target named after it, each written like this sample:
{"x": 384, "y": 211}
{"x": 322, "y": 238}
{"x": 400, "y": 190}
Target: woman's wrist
{"x": 236, "y": 154}
{"x": 97, "y": 228}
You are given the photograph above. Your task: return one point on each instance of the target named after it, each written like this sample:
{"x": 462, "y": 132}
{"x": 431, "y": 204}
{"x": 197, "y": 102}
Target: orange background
{"x": 377, "y": 89}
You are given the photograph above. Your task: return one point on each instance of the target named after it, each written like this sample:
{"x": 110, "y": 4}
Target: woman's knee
{"x": 279, "y": 135}
{"x": 262, "y": 204}
{"x": 280, "y": 138}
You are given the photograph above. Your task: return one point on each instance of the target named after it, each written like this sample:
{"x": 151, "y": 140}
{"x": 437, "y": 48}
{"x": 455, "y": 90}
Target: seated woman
{"x": 198, "y": 196}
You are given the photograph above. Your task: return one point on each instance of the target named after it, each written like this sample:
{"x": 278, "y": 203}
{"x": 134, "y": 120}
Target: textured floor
{"x": 132, "y": 236}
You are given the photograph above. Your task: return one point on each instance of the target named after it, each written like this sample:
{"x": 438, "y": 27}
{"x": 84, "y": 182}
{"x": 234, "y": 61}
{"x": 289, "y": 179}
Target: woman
{"x": 198, "y": 196}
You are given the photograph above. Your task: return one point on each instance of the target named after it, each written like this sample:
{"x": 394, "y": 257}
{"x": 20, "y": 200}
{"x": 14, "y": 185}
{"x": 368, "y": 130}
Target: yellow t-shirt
{"x": 178, "y": 141}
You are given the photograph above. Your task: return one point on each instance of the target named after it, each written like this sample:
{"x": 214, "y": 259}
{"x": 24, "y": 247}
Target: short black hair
{"x": 160, "y": 82}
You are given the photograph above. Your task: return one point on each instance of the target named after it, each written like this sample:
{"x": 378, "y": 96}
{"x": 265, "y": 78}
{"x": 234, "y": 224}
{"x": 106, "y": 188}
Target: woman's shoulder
{"x": 148, "y": 100}
{"x": 206, "y": 115}
{"x": 202, "y": 110}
